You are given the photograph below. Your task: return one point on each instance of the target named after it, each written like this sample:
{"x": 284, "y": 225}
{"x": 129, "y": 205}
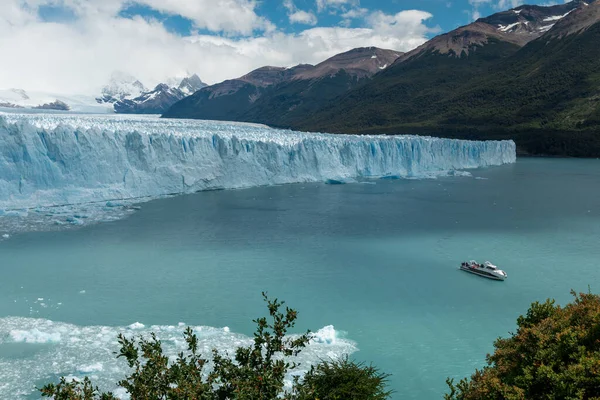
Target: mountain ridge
{"x": 235, "y": 99}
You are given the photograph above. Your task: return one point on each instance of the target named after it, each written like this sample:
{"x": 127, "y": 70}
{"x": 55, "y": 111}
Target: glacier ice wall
{"x": 69, "y": 159}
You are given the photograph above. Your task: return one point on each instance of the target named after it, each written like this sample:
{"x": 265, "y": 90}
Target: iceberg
{"x": 50, "y": 159}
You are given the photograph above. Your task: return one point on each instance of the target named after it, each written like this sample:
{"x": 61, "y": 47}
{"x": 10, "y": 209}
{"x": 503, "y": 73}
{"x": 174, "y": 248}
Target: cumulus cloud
{"x": 79, "y": 56}
{"x": 355, "y": 13}
{"x": 299, "y": 16}
{"x": 235, "y": 16}
{"x": 303, "y": 17}
{"x": 324, "y": 4}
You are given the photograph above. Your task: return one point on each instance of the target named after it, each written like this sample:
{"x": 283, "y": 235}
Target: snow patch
{"x": 556, "y": 17}
{"x": 507, "y": 28}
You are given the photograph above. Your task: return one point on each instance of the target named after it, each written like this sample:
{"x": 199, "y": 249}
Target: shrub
{"x": 342, "y": 380}
{"x": 555, "y": 354}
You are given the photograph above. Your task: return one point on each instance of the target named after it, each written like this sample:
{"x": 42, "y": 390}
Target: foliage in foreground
{"x": 555, "y": 354}
{"x": 342, "y": 379}
{"x": 256, "y": 372}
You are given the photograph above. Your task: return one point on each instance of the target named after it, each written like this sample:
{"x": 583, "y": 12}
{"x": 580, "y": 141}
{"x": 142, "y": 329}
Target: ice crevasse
{"x": 68, "y": 159}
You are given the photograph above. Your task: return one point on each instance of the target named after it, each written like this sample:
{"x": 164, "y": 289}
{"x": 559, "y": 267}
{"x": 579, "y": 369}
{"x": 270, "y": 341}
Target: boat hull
{"x": 483, "y": 274}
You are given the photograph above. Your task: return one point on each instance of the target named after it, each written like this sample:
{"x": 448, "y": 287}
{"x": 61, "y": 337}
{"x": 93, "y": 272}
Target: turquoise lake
{"x": 378, "y": 260}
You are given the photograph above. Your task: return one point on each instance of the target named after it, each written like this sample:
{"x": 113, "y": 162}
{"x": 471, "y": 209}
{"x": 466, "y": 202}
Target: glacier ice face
{"x": 48, "y": 160}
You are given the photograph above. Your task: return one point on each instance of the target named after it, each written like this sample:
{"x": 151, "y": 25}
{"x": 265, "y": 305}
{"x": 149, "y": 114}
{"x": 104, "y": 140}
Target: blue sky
{"x": 446, "y": 14}
{"x": 73, "y": 46}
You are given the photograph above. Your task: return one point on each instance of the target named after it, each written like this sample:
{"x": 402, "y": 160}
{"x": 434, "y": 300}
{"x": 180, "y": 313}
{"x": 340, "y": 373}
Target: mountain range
{"x": 122, "y": 94}
{"x": 528, "y": 74}
{"x": 268, "y": 93}
{"x": 129, "y": 96}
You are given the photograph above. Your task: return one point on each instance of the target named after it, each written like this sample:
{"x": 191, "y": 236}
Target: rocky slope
{"x": 253, "y": 96}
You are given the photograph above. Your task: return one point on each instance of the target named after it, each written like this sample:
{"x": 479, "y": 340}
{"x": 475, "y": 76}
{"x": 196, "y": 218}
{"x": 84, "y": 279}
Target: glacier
{"x": 59, "y": 159}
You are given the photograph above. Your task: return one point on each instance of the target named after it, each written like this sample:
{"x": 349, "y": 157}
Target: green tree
{"x": 555, "y": 354}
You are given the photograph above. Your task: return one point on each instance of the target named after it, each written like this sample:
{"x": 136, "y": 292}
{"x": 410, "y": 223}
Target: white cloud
{"x": 235, "y": 16}
{"x": 303, "y": 17}
{"x": 79, "y": 57}
{"x": 324, "y": 4}
{"x": 299, "y": 16}
{"x": 404, "y": 23}
{"x": 355, "y": 13}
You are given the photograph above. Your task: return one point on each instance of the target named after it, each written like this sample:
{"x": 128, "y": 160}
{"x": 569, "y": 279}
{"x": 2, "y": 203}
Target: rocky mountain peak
{"x": 360, "y": 62}
{"x": 518, "y": 26}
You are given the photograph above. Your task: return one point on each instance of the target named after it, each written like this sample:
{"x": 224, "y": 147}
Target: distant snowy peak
{"x": 129, "y": 96}
{"x": 121, "y": 86}
{"x": 191, "y": 85}
{"x": 19, "y": 98}
{"x": 161, "y": 98}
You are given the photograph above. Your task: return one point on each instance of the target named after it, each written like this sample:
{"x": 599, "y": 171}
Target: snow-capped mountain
{"x": 152, "y": 102}
{"x": 530, "y": 20}
{"x": 191, "y": 85}
{"x": 21, "y": 99}
{"x": 121, "y": 86}
{"x": 517, "y": 26}
{"x": 161, "y": 98}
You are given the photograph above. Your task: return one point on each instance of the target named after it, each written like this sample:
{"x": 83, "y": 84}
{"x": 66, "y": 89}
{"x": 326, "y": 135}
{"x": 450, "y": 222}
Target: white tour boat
{"x": 487, "y": 270}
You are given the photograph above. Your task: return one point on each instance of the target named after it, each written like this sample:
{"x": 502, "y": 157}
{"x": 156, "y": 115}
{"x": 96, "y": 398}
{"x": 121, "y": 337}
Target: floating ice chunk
{"x": 136, "y": 325}
{"x": 326, "y": 335}
{"x": 6, "y": 236}
{"x": 226, "y": 329}
{"x": 74, "y": 221}
{"x": 34, "y": 336}
{"x": 82, "y": 292}
{"x": 86, "y": 369}
{"x": 459, "y": 173}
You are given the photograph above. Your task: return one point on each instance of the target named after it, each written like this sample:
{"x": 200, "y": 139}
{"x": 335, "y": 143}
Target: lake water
{"x": 377, "y": 260}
